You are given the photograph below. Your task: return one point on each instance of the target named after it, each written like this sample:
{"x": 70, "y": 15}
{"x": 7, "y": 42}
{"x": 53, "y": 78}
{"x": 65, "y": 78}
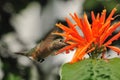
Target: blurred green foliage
{"x": 12, "y": 76}
{"x": 99, "y": 5}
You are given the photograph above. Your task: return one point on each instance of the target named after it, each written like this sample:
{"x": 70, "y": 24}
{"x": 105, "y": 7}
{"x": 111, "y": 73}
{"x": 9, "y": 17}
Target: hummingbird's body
{"x": 46, "y": 47}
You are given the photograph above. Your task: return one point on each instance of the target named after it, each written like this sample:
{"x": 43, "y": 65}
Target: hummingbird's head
{"x": 58, "y": 44}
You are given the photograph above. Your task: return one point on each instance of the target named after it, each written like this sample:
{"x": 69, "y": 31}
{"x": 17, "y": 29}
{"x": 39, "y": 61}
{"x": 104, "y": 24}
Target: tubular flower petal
{"x": 112, "y": 39}
{"x": 87, "y": 29}
{"x": 102, "y": 18}
{"x": 109, "y": 31}
{"x": 92, "y": 15}
{"x": 111, "y": 14}
{"x": 94, "y": 35}
{"x": 116, "y": 49}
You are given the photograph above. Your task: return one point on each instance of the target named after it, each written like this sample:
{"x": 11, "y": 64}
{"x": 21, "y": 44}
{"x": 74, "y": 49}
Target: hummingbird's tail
{"x": 20, "y": 53}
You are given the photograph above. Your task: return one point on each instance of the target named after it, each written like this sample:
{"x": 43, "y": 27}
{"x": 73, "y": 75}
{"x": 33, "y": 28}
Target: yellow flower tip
{"x": 85, "y": 14}
{"x": 54, "y": 33}
{"x": 104, "y": 10}
{"x": 56, "y": 24}
{"x": 115, "y": 9}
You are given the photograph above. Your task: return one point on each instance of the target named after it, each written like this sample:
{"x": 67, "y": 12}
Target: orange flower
{"x": 95, "y": 34}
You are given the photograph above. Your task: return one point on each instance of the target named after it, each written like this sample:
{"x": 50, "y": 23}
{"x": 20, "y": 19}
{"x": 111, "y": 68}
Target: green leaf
{"x": 92, "y": 69}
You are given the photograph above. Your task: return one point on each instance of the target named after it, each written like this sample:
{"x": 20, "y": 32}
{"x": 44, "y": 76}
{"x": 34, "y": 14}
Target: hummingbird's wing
{"x": 50, "y": 44}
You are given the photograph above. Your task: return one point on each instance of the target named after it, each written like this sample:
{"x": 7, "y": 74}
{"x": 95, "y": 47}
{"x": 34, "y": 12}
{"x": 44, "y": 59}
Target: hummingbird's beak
{"x": 20, "y": 53}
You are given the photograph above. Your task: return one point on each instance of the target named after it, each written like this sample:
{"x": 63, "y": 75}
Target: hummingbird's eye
{"x": 61, "y": 40}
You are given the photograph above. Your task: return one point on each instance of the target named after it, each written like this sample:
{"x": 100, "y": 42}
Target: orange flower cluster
{"x": 95, "y": 34}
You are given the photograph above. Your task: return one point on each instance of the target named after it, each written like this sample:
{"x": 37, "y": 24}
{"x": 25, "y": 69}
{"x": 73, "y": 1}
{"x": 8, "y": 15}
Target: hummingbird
{"x": 49, "y": 45}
